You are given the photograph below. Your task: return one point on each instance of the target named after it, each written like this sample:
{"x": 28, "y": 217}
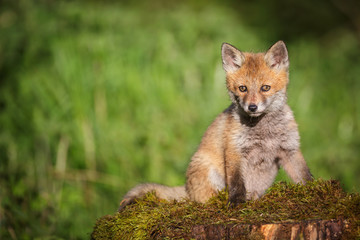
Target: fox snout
{"x": 252, "y": 107}
{"x": 251, "y": 102}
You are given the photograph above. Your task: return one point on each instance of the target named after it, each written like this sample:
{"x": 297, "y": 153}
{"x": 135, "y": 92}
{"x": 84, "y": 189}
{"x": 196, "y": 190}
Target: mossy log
{"x": 312, "y": 229}
{"x": 317, "y": 210}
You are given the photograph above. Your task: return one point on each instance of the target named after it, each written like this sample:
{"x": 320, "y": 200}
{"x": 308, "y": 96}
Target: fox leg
{"x": 296, "y": 168}
{"x": 234, "y": 175}
{"x": 203, "y": 182}
{"x": 236, "y": 185}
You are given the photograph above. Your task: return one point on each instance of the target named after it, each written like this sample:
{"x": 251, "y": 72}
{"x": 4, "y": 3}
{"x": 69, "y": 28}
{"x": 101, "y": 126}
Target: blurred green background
{"x": 97, "y": 96}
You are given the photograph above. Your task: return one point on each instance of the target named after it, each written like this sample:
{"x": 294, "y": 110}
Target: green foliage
{"x": 151, "y": 217}
{"x": 96, "y": 97}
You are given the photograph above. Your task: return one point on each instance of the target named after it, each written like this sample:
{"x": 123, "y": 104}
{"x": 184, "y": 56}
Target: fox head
{"x": 256, "y": 82}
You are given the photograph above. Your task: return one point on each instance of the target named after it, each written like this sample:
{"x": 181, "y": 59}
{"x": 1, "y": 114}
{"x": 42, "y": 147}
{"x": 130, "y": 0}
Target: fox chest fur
{"x": 261, "y": 144}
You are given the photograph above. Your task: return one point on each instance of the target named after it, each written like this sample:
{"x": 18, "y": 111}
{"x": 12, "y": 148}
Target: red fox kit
{"x": 246, "y": 145}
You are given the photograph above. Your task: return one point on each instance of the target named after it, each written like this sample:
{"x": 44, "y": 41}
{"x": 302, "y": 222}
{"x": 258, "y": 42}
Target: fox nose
{"x": 252, "y": 108}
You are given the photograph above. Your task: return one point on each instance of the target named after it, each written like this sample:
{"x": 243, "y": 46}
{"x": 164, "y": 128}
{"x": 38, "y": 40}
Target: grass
{"x": 284, "y": 202}
{"x": 97, "y": 97}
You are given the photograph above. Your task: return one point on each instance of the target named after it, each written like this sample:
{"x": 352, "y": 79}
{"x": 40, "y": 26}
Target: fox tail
{"x": 161, "y": 191}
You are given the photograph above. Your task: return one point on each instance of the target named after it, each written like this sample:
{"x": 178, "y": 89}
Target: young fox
{"x": 247, "y": 143}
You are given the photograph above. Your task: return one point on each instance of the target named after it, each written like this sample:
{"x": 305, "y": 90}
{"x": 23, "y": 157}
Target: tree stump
{"x": 312, "y": 230}
{"x": 317, "y": 210}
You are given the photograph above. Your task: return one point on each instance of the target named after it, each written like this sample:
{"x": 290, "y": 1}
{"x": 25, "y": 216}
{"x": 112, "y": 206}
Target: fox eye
{"x": 265, "y": 88}
{"x": 243, "y": 88}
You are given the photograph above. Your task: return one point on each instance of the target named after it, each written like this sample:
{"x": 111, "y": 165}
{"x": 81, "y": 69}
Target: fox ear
{"x": 277, "y": 57}
{"x": 232, "y": 58}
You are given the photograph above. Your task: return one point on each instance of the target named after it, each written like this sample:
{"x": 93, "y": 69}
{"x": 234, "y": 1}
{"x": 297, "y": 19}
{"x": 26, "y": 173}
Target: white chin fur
{"x": 254, "y": 114}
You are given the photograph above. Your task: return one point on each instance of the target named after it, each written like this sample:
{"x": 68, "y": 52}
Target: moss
{"x": 284, "y": 202}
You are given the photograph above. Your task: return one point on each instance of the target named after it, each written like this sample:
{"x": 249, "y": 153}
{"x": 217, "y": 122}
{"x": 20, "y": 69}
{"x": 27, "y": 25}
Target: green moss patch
{"x": 284, "y": 202}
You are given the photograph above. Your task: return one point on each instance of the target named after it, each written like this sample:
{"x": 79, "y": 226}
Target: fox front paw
{"x": 235, "y": 199}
